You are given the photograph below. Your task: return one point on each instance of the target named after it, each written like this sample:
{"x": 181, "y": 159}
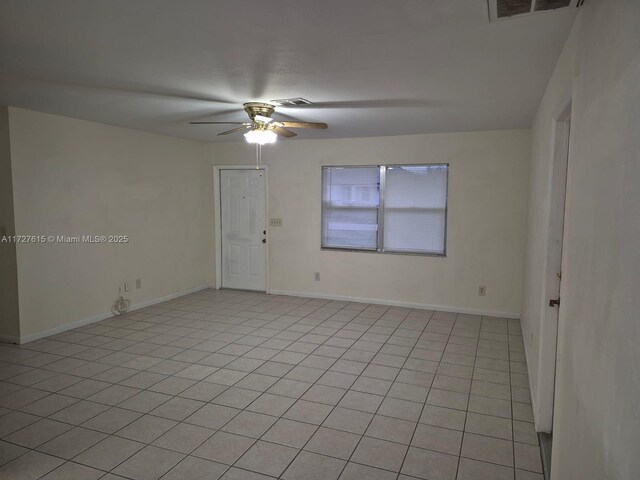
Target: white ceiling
{"x": 381, "y": 67}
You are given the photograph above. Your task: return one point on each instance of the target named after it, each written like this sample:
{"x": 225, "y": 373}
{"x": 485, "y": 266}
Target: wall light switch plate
{"x": 275, "y": 222}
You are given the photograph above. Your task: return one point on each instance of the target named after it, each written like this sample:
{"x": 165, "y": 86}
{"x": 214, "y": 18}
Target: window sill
{"x": 362, "y": 250}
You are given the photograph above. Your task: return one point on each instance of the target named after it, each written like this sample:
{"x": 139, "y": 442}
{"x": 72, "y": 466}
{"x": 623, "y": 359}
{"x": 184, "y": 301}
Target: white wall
{"x": 9, "y": 313}
{"x": 73, "y": 177}
{"x": 488, "y": 184}
{"x": 597, "y": 404}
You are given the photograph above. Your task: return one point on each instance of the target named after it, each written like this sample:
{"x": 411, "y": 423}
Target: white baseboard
{"x": 137, "y": 306}
{"x": 395, "y": 303}
{"x": 9, "y": 339}
{"x": 96, "y": 318}
{"x": 532, "y": 391}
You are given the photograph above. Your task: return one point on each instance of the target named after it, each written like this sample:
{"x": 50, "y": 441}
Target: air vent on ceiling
{"x": 509, "y": 8}
{"x": 542, "y": 5}
{"x": 291, "y": 102}
{"x": 503, "y": 9}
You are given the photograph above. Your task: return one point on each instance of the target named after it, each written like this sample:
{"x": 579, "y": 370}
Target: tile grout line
{"x": 314, "y": 326}
{"x": 378, "y": 408}
{"x": 185, "y": 456}
{"x": 466, "y": 415}
{"x": 413, "y": 434}
{"x": 337, "y": 403}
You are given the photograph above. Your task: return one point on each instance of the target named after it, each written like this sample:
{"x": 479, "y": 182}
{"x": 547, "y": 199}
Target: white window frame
{"x": 380, "y": 242}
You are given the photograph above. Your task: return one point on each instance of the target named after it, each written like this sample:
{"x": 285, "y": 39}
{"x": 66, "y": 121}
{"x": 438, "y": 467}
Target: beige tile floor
{"x": 237, "y": 385}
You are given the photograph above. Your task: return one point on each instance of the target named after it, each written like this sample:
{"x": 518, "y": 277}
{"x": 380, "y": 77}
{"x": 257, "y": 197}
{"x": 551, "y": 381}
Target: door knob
{"x": 554, "y": 303}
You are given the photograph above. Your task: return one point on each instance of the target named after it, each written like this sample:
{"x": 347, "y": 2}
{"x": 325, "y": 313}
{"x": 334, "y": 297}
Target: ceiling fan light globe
{"x": 260, "y": 137}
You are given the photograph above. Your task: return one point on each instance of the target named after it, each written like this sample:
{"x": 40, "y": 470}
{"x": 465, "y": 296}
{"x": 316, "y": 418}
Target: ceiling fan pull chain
{"x": 258, "y": 155}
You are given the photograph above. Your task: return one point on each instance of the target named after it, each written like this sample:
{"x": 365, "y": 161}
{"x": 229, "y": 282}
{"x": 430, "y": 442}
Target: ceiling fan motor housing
{"x": 258, "y": 108}
{"x": 262, "y": 123}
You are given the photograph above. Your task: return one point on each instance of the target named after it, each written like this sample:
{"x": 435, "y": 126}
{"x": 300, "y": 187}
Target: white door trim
{"x": 217, "y": 232}
{"x": 550, "y": 348}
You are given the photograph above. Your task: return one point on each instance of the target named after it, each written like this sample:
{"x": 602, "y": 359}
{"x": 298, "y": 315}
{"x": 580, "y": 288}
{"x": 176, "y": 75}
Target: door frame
{"x": 217, "y": 219}
{"x": 550, "y": 348}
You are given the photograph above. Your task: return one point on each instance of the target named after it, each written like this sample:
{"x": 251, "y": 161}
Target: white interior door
{"x": 556, "y": 235}
{"x": 553, "y": 275}
{"x": 243, "y": 229}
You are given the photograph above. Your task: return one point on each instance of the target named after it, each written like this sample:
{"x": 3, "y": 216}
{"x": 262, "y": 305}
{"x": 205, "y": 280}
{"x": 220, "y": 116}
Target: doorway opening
{"x": 553, "y": 283}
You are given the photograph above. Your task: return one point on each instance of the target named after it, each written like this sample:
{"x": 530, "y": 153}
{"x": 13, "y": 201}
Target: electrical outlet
{"x": 317, "y": 276}
{"x": 275, "y": 222}
{"x": 138, "y": 283}
{"x": 482, "y": 290}
{"x": 126, "y": 286}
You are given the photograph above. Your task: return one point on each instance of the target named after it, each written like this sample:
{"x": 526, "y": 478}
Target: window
{"x": 351, "y": 197}
{"x": 415, "y": 209}
{"x": 395, "y": 208}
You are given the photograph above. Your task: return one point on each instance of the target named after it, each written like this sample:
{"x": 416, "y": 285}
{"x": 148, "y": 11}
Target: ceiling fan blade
{"x": 123, "y": 89}
{"x": 219, "y": 123}
{"x": 304, "y": 125}
{"x": 283, "y": 132}
{"x": 208, "y": 114}
{"x": 233, "y": 130}
{"x": 385, "y": 103}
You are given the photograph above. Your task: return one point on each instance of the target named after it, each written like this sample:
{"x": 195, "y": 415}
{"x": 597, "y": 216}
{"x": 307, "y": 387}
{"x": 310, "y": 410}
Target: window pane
{"x": 415, "y": 206}
{"x": 350, "y": 198}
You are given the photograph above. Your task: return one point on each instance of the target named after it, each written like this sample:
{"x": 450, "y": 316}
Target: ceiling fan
{"x": 262, "y": 128}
